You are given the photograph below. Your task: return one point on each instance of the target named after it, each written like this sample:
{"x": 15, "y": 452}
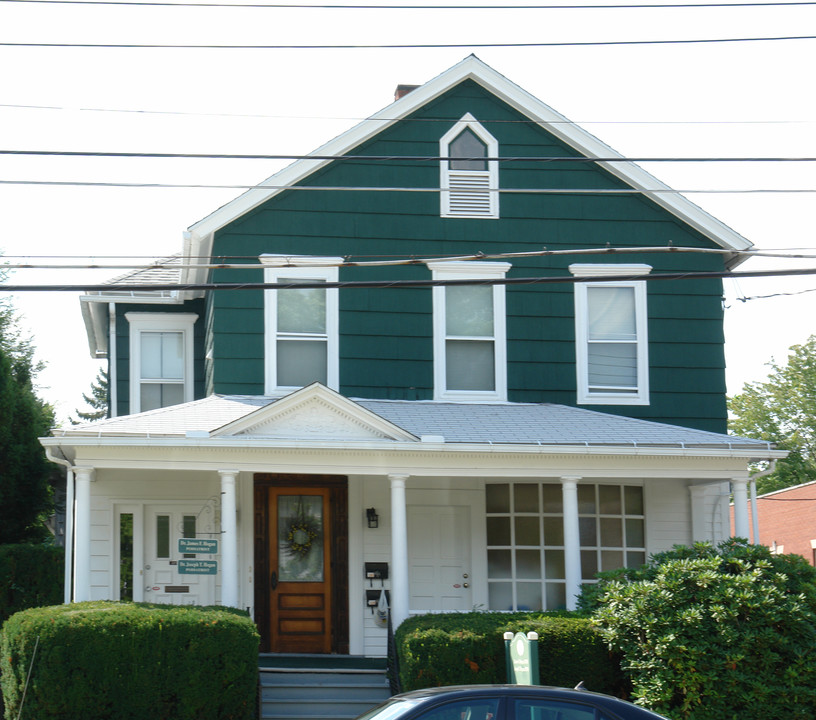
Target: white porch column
{"x": 400, "y": 596}
{"x": 69, "y": 536}
{"x": 572, "y": 539}
{"x": 229, "y": 539}
{"x": 82, "y": 561}
{"x": 739, "y": 486}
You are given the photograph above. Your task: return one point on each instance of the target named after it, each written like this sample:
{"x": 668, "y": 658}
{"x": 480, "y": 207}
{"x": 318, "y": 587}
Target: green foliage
{"x": 130, "y": 661}
{"x": 30, "y": 576}
{"x": 468, "y": 649}
{"x": 97, "y": 400}
{"x": 782, "y": 409}
{"x": 25, "y": 494}
{"x": 716, "y": 632}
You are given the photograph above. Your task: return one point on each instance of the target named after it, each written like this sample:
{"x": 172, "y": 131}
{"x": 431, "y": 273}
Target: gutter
{"x": 68, "y": 595}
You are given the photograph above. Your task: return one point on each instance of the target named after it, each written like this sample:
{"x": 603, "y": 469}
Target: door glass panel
{"x": 162, "y": 536}
{"x": 300, "y": 538}
{"x": 189, "y": 530}
{"x": 126, "y": 556}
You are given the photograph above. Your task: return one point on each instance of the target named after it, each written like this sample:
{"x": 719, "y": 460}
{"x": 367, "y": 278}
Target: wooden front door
{"x": 300, "y": 576}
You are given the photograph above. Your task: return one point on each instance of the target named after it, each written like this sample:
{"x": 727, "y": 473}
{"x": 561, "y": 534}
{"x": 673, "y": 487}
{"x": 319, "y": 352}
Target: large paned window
{"x": 301, "y": 335}
{"x": 469, "y": 332}
{"x": 161, "y": 359}
{"x": 469, "y": 178}
{"x": 525, "y": 539}
{"x": 612, "y": 360}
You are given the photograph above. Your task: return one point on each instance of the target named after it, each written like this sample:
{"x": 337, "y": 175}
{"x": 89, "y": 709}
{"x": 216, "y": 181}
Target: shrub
{"x": 468, "y": 648}
{"x": 130, "y": 661}
{"x": 30, "y": 576}
{"x": 717, "y": 632}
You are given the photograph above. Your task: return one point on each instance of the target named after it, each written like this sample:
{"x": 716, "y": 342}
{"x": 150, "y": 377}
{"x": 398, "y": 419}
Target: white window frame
{"x": 460, "y": 271}
{"x": 159, "y": 322}
{"x": 301, "y": 267}
{"x": 585, "y": 395}
{"x": 469, "y": 193}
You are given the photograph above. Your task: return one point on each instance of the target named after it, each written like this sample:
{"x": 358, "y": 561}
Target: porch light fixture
{"x": 373, "y": 518}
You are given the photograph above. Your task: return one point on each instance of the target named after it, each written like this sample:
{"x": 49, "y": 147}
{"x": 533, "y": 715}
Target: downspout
{"x": 754, "y": 518}
{"x": 69, "y": 522}
{"x": 112, "y": 394}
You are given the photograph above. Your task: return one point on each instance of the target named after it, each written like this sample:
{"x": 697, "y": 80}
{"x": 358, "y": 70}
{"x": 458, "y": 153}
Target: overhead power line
{"x": 339, "y": 188}
{"x": 25, "y": 262}
{"x": 310, "y": 6}
{"x": 183, "y": 287}
{"x": 401, "y": 46}
{"x": 506, "y": 121}
{"x": 391, "y": 158}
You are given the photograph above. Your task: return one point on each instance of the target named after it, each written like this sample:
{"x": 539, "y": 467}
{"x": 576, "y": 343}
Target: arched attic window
{"x": 469, "y": 180}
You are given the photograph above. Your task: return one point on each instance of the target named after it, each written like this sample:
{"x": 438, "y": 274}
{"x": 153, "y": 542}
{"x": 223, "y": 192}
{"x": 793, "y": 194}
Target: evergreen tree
{"x": 25, "y": 493}
{"x": 97, "y": 400}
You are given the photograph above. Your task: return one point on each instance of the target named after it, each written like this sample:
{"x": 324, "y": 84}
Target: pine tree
{"x": 97, "y": 400}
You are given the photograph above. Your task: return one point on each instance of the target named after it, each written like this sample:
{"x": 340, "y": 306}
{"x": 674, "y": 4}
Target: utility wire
{"x": 184, "y": 287}
{"x": 341, "y": 188}
{"x": 391, "y": 158}
{"x": 229, "y": 263}
{"x": 310, "y": 6}
{"x": 262, "y": 116}
{"x": 401, "y": 46}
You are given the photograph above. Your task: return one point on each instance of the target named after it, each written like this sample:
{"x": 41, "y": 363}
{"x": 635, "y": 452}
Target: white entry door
{"x": 163, "y": 581}
{"x": 439, "y": 558}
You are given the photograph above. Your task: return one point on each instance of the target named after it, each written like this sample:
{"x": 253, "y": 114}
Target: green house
{"x": 464, "y": 352}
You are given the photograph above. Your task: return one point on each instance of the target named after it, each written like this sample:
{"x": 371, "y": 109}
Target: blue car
{"x": 506, "y": 702}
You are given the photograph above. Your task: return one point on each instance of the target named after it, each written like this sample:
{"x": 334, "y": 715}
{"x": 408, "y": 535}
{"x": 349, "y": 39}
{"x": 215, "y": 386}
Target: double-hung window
{"x": 469, "y": 178}
{"x": 301, "y": 333}
{"x": 161, "y": 359}
{"x": 611, "y": 336}
{"x": 469, "y": 332}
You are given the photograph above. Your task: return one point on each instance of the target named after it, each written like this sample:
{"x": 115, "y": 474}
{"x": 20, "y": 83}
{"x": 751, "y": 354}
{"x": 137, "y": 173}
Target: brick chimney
{"x": 403, "y": 90}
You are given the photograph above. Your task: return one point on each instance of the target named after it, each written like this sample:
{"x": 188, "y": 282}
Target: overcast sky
{"x": 735, "y": 99}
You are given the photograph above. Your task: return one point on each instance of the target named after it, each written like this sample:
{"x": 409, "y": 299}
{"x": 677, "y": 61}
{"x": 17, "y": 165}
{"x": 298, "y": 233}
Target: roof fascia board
{"x": 384, "y": 446}
{"x": 201, "y": 233}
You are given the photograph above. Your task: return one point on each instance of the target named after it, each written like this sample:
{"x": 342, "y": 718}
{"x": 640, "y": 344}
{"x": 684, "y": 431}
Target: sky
{"x": 705, "y": 100}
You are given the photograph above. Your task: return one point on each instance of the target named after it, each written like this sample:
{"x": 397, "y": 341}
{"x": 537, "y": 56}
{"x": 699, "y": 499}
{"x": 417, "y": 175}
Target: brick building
{"x": 787, "y": 520}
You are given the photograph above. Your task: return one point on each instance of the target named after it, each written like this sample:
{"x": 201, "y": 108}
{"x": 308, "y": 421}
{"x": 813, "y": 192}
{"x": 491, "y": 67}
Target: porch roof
{"x": 465, "y": 423}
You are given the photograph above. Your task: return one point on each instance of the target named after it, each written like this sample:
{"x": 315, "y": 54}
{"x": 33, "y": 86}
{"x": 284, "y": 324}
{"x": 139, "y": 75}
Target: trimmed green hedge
{"x": 130, "y": 661}
{"x": 468, "y": 649}
{"x": 30, "y": 576}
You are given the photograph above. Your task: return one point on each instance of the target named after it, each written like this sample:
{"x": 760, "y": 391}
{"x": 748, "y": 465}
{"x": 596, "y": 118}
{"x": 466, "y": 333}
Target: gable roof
{"x": 199, "y": 237}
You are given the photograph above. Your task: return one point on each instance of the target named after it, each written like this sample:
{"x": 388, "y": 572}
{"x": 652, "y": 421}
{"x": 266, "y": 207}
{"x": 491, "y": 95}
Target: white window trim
{"x": 302, "y": 267}
{"x": 159, "y": 322}
{"x": 584, "y": 395}
{"x": 488, "y": 178}
{"x": 459, "y": 271}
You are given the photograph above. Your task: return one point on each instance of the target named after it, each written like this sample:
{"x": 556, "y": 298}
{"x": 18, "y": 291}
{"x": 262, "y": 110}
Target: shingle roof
{"x": 490, "y": 423}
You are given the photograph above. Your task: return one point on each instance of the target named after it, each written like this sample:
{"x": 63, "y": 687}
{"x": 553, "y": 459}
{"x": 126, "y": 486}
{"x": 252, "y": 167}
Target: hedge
{"x": 30, "y": 576}
{"x": 468, "y": 648}
{"x": 129, "y": 661}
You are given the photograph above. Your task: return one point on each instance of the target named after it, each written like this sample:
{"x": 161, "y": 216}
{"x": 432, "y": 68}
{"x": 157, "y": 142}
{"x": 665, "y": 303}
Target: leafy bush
{"x": 130, "y": 661}
{"x": 716, "y": 632}
{"x": 468, "y": 648}
{"x": 30, "y": 576}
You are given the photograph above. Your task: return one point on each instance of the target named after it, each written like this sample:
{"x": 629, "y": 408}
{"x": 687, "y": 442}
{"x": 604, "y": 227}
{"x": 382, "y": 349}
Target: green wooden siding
{"x": 122, "y": 349}
{"x": 386, "y": 334}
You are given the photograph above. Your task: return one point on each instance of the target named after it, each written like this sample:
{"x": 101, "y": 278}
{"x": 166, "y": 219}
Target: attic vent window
{"x": 469, "y": 180}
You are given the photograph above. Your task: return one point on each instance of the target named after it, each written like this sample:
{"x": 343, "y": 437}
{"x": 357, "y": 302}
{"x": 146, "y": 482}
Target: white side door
{"x": 439, "y": 558}
{"x": 163, "y": 582}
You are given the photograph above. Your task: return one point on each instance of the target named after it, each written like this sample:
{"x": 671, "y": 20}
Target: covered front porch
{"x": 471, "y": 510}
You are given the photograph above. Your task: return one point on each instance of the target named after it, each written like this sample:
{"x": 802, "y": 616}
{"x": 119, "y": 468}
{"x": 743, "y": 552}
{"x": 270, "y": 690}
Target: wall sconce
{"x": 373, "y": 518}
